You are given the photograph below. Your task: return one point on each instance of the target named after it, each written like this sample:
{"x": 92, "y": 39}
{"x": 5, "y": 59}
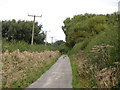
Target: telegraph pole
{"x": 52, "y": 40}
{"x": 46, "y": 32}
{"x": 33, "y": 27}
{"x": 46, "y": 38}
{"x": 55, "y": 40}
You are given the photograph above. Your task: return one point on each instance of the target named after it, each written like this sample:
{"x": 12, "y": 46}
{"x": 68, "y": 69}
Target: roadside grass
{"x": 79, "y": 80}
{"x": 24, "y": 46}
{"x": 24, "y": 63}
{"x": 33, "y": 76}
{"x": 101, "y": 53}
{"x": 20, "y": 69}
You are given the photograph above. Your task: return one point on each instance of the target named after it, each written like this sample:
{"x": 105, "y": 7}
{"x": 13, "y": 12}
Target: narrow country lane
{"x": 58, "y": 76}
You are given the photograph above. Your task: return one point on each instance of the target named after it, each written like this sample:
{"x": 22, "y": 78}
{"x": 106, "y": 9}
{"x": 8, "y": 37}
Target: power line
{"x": 33, "y": 26}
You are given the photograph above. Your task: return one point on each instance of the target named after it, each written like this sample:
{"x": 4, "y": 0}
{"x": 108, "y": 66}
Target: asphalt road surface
{"x": 58, "y": 76}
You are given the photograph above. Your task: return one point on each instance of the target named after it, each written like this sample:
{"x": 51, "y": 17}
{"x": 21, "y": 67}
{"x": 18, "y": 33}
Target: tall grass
{"x": 23, "y": 46}
{"x": 24, "y": 63}
{"x": 20, "y": 69}
{"x": 101, "y": 54}
{"x": 80, "y": 78}
{"x": 108, "y": 37}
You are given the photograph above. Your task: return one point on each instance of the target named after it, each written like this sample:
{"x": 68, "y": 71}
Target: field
{"x": 22, "y": 69}
{"x": 23, "y": 66}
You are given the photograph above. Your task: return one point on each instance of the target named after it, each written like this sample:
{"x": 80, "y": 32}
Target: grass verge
{"x": 79, "y": 80}
{"x": 101, "y": 60}
{"x": 36, "y": 75}
{"x": 20, "y": 73}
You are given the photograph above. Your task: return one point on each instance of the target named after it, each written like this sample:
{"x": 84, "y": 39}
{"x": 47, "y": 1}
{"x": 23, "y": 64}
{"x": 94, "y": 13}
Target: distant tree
{"x": 58, "y": 43}
{"x": 22, "y": 30}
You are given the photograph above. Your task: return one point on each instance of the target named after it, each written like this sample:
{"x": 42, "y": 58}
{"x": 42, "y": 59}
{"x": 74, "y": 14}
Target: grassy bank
{"x": 20, "y": 69}
{"x": 80, "y": 78}
{"x": 76, "y": 80}
{"x": 95, "y": 61}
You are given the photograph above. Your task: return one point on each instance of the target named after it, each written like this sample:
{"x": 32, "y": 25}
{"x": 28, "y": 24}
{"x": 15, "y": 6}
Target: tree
{"x": 22, "y": 30}
{"x": 58, "y": 43}
{"x": 82, "y": 27}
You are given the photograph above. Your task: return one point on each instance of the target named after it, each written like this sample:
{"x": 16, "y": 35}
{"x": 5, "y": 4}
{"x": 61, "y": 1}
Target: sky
{"x": 53, "y": 12}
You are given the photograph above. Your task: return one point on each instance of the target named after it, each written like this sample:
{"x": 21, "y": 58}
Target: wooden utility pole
{"x": 52, "y": 40}
{"x": 33, "y": 27}
{"x": 46, "y": 32}
{"x": 46, "y": 38}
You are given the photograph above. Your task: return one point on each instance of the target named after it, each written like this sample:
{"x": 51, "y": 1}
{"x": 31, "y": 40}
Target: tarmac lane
{"x": 58, "y": 76}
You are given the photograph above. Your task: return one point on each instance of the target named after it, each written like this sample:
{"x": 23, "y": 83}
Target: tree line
{"x": 22, "y": 30}
{"x": 82, "y": 27}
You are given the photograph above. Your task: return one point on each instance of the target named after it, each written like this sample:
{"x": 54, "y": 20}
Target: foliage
{"x": 23, "y": 46}
{"x": 22, "y": 30}
{"x": 79, "y": 46}
{"x": 58, "y": 43}
{"x": 82, "y": 27}
{"x": 80, "y": 77}
{"x": 107, "y": 37}
{"x": 97, "y": 36}
{"x": 64, "y": 49}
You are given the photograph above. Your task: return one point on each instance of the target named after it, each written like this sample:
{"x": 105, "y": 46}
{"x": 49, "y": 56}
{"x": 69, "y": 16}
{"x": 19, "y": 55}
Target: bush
{"x": 64, "y": 49}
{"x": 79, "y": 46}
{"x": 108, "y": 37}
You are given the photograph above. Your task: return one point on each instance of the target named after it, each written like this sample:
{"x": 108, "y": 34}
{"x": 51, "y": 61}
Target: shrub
{"x": 64, "y": 49}
{"x": 79, "y": 46}
{"x": 108, "y": 37}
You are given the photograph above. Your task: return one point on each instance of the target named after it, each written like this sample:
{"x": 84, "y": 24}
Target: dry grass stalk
{"x": 17, "y": 65}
